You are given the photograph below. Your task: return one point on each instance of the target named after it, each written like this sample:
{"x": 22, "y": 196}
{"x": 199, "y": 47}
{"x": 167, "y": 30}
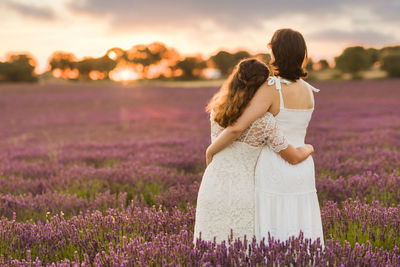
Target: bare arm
{"x": 257, "y": 107}
{"x": 296, "y": 155}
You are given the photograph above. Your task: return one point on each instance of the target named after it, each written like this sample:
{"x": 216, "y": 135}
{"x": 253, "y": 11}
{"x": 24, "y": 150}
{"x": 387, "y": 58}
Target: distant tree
{"x": 191, "y": 67}
{"x": 264, "y": 57}
{"x": 389, "y": 49}
{"x": 224, "y": 62}
{"x": 391, "y": 63}
{"x": 373, "y": 55}
{"x": 241, "y": 55}
{"x": 104, "y": 65}
{"x": 353, "y": 60}
{"x": 310, "y": 65}
{"x": 117, "y": 54}
{"x": 323, "y": 64}
{"x": 147, "y": 55}
{"x": 85, "y": 66}
{"x": 18, "y": 68}
{"x": 62, "y": 61}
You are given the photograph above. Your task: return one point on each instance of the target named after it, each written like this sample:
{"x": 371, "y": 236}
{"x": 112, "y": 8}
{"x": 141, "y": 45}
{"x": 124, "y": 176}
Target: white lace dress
{"x": 226, "y": 196}
{"x": 286, "y": 197}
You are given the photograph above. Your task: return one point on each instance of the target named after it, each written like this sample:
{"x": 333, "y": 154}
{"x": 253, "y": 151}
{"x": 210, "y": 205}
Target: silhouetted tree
{"x": 391, "y": 63}
{"x": 353, "y": 60}
{"x": 104, "y": 65}
{"x": 85, "y": 66}
{"x": 117, "y": 54}
{"x": 224, "y": 62}
{"x": 18, "y": 68}
{"x": 146, "y": 55}
{"x": 373, "y": 55}
{"x": 264, "y": 57}
{"x": 310, "y": 65}
{"x": 323, "y": 64}
{"x": 241, "y": 55}
{"x": 62, "y": 60}
{"x": 390, "y": 49}
{"x": 191, "y": 67}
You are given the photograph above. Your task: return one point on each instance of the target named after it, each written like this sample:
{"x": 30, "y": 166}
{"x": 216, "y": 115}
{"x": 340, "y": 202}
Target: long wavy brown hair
{"x": 228, "y": 104}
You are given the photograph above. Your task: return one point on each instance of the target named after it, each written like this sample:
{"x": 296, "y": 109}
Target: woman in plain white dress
{"x": 225, "y": 200}
{"x": 285, "y": 195}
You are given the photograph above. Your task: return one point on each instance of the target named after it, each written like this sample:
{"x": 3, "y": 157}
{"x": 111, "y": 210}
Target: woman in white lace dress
{"x": 226, "y": 196}
{"x": 286, "y": 197}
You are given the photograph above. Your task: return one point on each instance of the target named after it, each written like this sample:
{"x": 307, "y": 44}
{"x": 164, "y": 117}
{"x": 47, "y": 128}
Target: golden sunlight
{"x": 112, "y": 55}
{"x": 96, "y": 75}
{"x": 124, "y": 74}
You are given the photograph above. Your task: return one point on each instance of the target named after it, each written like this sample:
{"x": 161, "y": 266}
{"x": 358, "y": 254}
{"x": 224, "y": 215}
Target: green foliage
{"x": 141, "y": 58}
{"x": 373, "y": 55}
{"x": 225, "y": 61}
{"x": 353, "y": 60}
{"x": 310, "y": 65}
{"x": 391, "y": 63}
{"x": 323, "y": 64}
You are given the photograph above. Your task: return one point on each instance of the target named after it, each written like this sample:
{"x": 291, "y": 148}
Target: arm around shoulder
{"x": 257, "y": 107}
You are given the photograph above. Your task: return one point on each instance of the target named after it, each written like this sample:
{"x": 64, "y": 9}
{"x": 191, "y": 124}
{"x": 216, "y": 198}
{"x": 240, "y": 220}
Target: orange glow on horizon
{"x": 161, "y": 68}
{"x": 66, "y": 74}
{"x": 211, "y": 73}
{"x": 96, "y": 75}
{"x": 124, "y": 74}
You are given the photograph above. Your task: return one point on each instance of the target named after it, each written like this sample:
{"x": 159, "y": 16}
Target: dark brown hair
{"x": 233, "y": 97}
{"x": 290, "y": 53}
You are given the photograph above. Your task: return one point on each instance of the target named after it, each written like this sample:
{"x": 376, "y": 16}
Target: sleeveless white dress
{"x": 226, "y": 196}
{"x": 286, "y": 196}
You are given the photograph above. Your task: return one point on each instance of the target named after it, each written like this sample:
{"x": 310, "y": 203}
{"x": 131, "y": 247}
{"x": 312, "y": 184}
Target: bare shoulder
{"x": 265, "y": 91}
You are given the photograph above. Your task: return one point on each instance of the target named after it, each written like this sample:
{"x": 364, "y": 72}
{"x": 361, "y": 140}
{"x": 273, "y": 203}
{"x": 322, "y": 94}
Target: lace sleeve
{"x": 275, "y": 138}
{"x": 215, "y": 128}
{"x": 265, "y": 131}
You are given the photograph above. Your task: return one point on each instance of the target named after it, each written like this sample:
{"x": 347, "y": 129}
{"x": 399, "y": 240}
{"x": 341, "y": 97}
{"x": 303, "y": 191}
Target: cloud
{"x": 44, "y": 13}
{"x": 232, "y": 14}
{"x": 368, "y": 37}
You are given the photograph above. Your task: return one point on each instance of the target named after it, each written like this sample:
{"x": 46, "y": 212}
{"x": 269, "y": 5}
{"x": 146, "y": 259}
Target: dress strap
{"x": 277, "y": 81}
{"x": 312, "y": 87}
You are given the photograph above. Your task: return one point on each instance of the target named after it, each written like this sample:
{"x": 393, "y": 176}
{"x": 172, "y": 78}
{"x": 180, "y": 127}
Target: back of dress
{"x": 292, "y": 122}
{"x": 226, "y": 194}
{"x": 286, "y": 199}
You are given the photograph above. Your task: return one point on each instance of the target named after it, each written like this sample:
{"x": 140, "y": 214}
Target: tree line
{"x": 157, "y": 61}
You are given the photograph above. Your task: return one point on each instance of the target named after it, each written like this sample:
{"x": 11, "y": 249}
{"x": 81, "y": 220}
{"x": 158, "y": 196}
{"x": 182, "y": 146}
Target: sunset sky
{"x": 90, "y": 27}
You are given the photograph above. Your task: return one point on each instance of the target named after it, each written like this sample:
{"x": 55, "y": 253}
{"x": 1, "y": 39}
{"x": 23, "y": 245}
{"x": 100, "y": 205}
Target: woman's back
{"x": 296, "y": 105}
{"x": 296, "y": 95}
{"x": 286, "y": 200}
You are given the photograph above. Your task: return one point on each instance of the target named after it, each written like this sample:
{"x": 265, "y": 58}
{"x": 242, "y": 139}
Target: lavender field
{"x": 107, "y": 175}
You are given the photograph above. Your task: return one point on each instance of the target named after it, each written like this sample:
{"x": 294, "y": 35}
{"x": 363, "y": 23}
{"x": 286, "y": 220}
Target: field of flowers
{"x": 108, "y": 175}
